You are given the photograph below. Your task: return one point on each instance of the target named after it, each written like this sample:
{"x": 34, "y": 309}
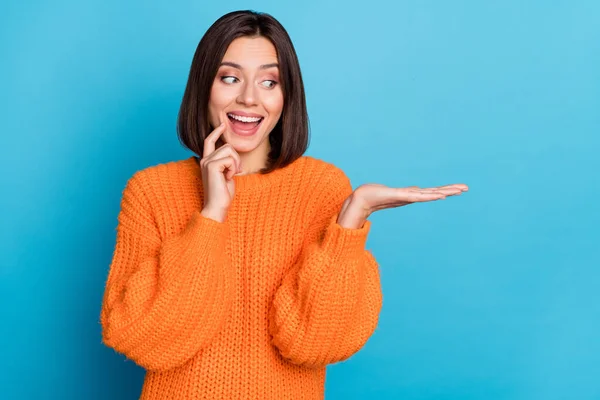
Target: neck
{"x": 255, "y": 160}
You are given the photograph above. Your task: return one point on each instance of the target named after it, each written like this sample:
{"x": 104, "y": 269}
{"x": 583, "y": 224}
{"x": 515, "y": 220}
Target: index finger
{"x": 209, "y": 142}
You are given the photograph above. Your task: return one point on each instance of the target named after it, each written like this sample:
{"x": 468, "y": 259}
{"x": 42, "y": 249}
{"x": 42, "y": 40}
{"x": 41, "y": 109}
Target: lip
{"x": 237, "y": 130}
{"x": 245, "y": 114}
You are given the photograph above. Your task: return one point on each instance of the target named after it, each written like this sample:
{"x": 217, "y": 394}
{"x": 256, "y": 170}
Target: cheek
{"x": 216, "y": 103}
{"x": 274, "y": 104}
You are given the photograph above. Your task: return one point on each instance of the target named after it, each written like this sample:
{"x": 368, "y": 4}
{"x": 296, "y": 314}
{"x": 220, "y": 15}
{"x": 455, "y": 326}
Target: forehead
{"x": 251, "y": 52}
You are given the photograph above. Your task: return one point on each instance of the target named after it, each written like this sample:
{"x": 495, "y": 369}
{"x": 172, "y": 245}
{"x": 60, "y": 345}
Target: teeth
{"x": 244, "y": 119}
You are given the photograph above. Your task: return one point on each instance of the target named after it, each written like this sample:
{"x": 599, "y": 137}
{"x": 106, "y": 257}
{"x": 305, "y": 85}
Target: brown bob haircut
{"x": 290, "y": 136}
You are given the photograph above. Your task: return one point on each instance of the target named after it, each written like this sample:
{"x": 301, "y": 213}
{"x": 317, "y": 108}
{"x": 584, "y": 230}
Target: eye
{"x": 271, "y": 83}
{"x": 228, "y": 79}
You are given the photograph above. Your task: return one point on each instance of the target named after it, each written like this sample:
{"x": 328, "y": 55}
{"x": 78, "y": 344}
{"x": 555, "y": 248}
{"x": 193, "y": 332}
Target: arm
{"x": 328, "y": 304}
{"x": 164, "y": 301}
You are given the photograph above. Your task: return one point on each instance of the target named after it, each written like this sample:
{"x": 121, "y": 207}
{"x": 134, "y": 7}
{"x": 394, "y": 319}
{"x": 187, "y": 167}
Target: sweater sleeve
{"x": 328, "y": 304}
{"x": 164, "y": 299}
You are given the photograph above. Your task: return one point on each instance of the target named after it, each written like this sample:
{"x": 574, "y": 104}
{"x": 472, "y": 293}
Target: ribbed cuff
{"x": 204, "y": 232}
{"x": 197, "y": 243}
{"x": 343, "y": 242}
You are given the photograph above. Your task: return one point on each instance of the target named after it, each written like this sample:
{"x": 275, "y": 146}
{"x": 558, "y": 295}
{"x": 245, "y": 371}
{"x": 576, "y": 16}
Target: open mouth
{"x": 244, "y": 122}
{"x": 243, "y": 125}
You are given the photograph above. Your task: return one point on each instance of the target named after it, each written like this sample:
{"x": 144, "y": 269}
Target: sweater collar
{"x": 248, "y": 182}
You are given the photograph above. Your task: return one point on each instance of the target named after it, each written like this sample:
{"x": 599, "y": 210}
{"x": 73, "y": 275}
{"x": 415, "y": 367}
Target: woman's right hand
{"x": 218, "y": 168}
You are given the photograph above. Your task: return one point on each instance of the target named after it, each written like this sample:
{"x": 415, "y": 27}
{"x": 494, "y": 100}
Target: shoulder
{"x": 325, "y": 170}
{"x": 324, "y": 176}
{"x": 158, "y": 177}
{"x": 322, "y": 169}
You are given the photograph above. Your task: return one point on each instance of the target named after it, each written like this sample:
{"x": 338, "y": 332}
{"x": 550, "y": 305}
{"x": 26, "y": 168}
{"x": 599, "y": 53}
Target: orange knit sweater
{"x": 251, "y": 308}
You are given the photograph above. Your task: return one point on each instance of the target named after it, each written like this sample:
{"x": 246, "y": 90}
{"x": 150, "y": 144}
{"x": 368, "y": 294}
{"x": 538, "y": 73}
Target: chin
{"x": 241, "y": 145}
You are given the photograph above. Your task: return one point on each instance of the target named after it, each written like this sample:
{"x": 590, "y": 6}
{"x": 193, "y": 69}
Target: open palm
{"x": 372, "y": 197}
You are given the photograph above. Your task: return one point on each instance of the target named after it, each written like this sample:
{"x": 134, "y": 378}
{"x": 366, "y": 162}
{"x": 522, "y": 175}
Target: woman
{"x": 243, "y": 273}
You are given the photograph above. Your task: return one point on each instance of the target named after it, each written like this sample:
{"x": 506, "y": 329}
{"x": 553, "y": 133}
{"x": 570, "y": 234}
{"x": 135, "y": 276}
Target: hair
{"x": 290, "y": 136}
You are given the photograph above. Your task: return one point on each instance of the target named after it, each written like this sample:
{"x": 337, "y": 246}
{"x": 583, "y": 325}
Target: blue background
{"x": 490, "y": 295}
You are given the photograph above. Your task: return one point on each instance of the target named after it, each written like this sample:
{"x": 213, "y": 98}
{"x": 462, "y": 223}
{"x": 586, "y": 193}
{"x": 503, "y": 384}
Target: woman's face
{"x": 247, "y": 95}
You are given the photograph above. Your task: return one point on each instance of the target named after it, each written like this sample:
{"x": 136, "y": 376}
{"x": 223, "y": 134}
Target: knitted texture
{"x": 251, "y": 308}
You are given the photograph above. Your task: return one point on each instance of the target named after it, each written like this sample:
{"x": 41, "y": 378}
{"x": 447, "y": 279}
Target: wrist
{"x": 352, "y": 217}
{"x": 217, "y": 215}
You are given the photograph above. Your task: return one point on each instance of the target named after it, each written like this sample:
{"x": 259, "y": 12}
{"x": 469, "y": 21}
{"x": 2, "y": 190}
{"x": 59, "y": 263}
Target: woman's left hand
{"x": 372, "y": 197}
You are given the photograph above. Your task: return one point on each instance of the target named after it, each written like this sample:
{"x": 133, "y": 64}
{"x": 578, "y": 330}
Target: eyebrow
{"x": 238, "y": 66}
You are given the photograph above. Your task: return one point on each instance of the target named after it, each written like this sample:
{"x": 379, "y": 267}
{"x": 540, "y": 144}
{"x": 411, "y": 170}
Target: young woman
{"x": 242, "y": 273}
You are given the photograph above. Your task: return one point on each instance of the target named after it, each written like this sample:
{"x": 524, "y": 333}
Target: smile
{"x": 244, "y": 119}
{"x": 244, "y": 126}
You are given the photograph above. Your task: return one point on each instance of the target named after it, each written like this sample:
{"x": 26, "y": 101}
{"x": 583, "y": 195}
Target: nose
{"x": 247, "y": 95}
